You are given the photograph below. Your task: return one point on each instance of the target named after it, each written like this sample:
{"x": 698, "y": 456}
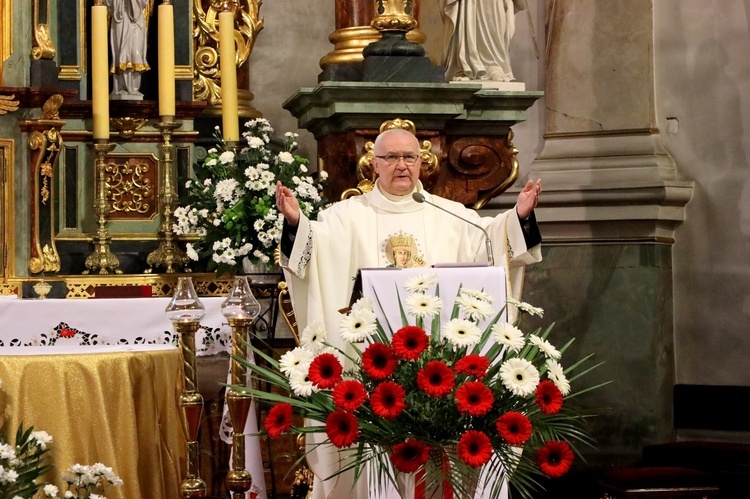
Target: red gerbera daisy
{"x": 67, "y": 332}
{"x": 409, "y": 342}
{"x": 548, "y": 397}
{"x": 388, "y": 399}
{"x": 436, "y": 378}
{"x": 474, "y": 448}
{"x": 349, "y": 395}
{"x": 554, "y": 459}
{"x": 408, "y": 456}
{"x": 514, "y": 427}
{"x": 379, "y": 361}
{"x": 474, "y": 398}
{"x": 342, "y": 428}
{"x": 473, "y": 365}
{"x": 279, "y": 419}
{"x": 325, "y": 371}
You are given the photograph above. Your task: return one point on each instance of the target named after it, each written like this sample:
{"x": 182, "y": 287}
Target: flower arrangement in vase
{"x": 471, "y": 403}
{"x": 231, "y": 203}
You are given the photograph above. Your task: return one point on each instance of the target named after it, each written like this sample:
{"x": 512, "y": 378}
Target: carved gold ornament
{"x": 393, "y": 15}
{"x": 7, "y": 104}
{"x": 126, "y": 127}
{"x": 43, "y": 47}
{"x": 206, "y": 77}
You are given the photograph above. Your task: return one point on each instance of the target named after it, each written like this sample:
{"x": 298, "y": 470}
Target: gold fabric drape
{"x": 117, "y": 408}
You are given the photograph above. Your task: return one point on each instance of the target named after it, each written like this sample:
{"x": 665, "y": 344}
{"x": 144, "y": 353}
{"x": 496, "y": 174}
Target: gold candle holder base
{"x": 102, "y": 260}
{"x": 167, "y": 255}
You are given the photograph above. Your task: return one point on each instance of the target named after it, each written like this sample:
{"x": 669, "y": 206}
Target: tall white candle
{"x": 166, "y": 60}
{"x": 229, "y": 111}
{"x": 99, "y": 71}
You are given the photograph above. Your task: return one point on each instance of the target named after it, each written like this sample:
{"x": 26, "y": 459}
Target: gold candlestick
{"x": 240, "y": 309}
{"x": 167, "y": 254}
{"x": 185, "y": 311}
{"x": 102, "y": 260}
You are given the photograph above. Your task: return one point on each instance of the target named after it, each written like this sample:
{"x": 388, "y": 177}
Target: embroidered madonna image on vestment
{"x": 401, "y": 251}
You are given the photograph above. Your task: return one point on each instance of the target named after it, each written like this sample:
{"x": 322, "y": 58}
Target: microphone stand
{"x": 419, "y": 198}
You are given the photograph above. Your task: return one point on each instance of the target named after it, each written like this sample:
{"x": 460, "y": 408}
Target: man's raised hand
{"x": 287, "y": 204}
{"x": 528, "y": 198}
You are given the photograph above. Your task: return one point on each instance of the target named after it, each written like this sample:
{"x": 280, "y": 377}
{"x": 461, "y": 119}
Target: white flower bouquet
{"x": 231, "y": 202}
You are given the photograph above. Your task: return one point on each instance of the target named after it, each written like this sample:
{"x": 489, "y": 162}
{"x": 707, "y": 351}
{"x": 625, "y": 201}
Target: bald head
{"x": 397, "y": 161}
{"x": 387, "y": 136}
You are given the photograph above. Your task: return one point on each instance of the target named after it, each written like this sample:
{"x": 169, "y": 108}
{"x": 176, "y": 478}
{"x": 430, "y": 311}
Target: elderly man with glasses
{"x": 321, "y": 258}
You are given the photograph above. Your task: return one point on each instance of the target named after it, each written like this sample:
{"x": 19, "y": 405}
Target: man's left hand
{"x": 528, "y": 198}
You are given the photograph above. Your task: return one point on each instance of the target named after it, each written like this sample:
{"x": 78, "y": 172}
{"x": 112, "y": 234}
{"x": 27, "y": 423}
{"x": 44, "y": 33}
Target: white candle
{"x": 229, "y": 111}
{"x": 99, "y": 71}
{"x": 166, "y": 60}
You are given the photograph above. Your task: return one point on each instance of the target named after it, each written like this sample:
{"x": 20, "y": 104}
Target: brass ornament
{"x": 126, "y": 127}
{"x": 207, "y": 74}
{"x": 7, "y": 104}
{"x": 393, "y": 15}
{"x": 43, "y": 47}
{"x": 129, "y": 187}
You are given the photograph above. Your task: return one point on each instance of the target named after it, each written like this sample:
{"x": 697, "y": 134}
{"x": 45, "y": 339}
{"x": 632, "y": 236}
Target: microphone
{"x": 419, "y": 198}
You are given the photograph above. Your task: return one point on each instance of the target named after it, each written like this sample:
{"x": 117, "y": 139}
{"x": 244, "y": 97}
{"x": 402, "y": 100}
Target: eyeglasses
{"x": 393, "y": 159}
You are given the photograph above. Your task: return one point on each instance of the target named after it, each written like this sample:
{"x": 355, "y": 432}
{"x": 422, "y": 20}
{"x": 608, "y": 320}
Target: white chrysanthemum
{"x": 313, "y": 336}
{"x": 255, "y": 142}
{"x": 358, "y": 325}
{"x": 50, "y": 490}
{"x": 364, "y": 303}
{"x": 525, "y": 307}
{"x": 422, "y": 305}
{"x": 297, "y": 359}
{"x": 462, "y": 332}
{"x": 7, "y": 452}
{"x": 508, "y": 335}
{"x": 545, "y": 346}
{"x": 477, "y": 293}
{"x": 286, "y": 157}
{"x": 420, "y": 283}
{"x": 557, "y": 376}
{"x": 519, "y": 376}
{"x": 474, "y": 308}
{"x": 42, "y": 438}
{"x": 301, "y": 384}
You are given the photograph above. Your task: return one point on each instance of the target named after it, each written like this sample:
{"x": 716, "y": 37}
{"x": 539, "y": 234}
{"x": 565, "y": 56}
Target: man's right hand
{"x": 287, "y": 204}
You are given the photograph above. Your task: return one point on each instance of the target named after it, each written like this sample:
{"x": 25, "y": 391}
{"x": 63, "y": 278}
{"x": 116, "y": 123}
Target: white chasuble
{"x": 373, "y": 231}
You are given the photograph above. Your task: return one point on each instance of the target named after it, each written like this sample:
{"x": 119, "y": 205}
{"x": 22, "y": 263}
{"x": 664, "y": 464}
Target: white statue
{"x": 478, "y": 35}
{"x": 128, "y": 40}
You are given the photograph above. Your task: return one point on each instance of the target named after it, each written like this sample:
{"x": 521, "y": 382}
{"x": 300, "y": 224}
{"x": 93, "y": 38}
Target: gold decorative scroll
{"x": 7, "y": 104}
{"x": 131, "y": 181}
{"x": 206, "y": 84}
{"x": 45, "y": 143}
{"x": 43, "y": 47}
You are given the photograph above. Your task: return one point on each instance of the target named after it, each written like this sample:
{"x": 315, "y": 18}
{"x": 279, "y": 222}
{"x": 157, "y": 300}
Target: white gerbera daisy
{"x": 313, "y": 336}
{"x": 421, "y": 305}
{"x": 420, "y": 283}
{"x": 301, "y": 384}
{"x": 557, "y": 376}
{"x": 295, "y": 360}
{"x": 545, "y": 346}
{"x": 364, "y": 303}
{"x": 519, "y": 376}
{"x": 508, "y": 335}
{"x": 358, "y": 325}
{"x": 525, "y": 307}
{"x": 474, "y": 308}
{"x": 478, "y": 294}
{"x": 462, "y": 332}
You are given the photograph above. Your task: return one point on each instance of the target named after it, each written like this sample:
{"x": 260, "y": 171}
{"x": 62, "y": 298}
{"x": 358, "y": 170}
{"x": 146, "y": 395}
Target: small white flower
{"x": 358, "y": 325}
{"x": 556, "y": 374}
{"x": 50, "y": 490}
{"x": 420, "y": 283}
{"x": 525, "y": 307}
{"x": 303, "y": 168}
{"x": 421, "y": 305}
{"x": 297, "y": 359}
{"x": 255, "y": 142}
{"x": 301, "y": 384}
{"x": 313, "y": 336}
{"x": 474, "y": 308}
{"x": 545, "y": 346}
{"x": 519, "y": 376}
{"x": 477, "y": 293}
{"x": 69, "y": 494}
{"x": 42, "y": 438}
{"x": 508, "y": 336}
{"x": 323, "y": 174}
{"x": 226, "y": 157}
{"x": 364, "y": 303}
{"x": 191, "y": 253}
{"x": 462, "y": 333}
{"x": 188, "y": 183}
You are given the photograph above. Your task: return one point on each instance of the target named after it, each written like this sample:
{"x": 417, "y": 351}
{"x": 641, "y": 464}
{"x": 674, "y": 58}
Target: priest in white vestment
{"x": 387, "y": 227}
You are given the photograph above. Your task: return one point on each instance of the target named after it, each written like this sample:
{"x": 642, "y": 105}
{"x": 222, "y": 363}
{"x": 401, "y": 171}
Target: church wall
{"x": 702, "y": 88}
